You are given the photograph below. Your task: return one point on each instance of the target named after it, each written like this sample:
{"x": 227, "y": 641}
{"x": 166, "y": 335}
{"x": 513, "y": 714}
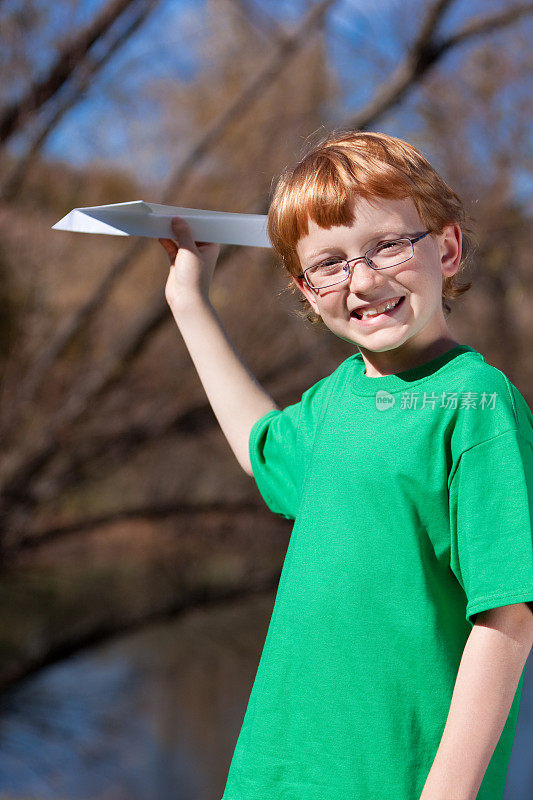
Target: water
{"x": 155, "y": 715}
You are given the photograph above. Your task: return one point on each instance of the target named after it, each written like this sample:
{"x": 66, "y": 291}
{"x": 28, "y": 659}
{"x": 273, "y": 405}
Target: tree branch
{"x": 107, "y": 629}
{"x": 39, "y": 454}
{"x": 115, "y": 449}
{"x": 283, "y": 52}
{"x": 480, "y": 26}
{"x": 76, "y": 321}
{"x": 83, "y": 74}
{"x": 15, "y": 115}
{"x": 425, "y": 52}
{"x": 262, "y": 23}
{"x": 159, "y": 511}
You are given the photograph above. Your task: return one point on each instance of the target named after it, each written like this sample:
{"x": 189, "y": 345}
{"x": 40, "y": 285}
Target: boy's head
{"x": 349, "y": 187}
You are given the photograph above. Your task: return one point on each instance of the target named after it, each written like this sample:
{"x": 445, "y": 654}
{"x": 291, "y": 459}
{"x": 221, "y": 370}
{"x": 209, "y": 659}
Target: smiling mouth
{"x": 386, "y": 313}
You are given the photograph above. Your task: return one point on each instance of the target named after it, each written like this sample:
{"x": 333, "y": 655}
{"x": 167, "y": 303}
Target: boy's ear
{"x": 451, "y": 244}
{"x": 309, "y": 294}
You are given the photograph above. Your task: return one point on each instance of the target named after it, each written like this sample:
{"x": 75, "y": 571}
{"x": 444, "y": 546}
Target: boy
{"x": 393, "y": 664}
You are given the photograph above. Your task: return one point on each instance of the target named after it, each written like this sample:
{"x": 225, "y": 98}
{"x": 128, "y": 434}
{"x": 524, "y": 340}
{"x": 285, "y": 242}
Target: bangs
{"x": 322, "y": 187}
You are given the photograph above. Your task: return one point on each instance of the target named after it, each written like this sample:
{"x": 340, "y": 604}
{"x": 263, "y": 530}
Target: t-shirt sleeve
{"x": 491, "y": 522}
{"x": 279, "y": 445}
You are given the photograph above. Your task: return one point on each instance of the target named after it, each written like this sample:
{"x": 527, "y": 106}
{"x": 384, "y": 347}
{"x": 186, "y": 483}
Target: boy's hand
{"x": 191, "y": 266}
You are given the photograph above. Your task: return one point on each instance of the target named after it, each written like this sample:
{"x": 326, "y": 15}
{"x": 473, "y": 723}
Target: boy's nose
{"x": 362, "y": 277}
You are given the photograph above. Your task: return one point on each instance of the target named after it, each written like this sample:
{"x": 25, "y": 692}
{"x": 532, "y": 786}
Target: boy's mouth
{"x": 387, "y": 310}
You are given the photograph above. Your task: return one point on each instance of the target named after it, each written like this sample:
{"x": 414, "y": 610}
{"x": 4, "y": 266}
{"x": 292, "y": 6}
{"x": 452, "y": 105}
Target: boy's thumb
{"x": 183, "y": 234}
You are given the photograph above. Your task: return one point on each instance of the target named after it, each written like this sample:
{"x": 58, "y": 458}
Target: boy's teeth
{"x": 379, "y": 309}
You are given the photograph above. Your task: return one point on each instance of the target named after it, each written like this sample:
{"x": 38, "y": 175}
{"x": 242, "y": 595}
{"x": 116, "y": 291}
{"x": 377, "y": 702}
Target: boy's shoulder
{"x": 479, "y": 372}
{"x": 481, "y": 377}
{"x": 490, "y": 403}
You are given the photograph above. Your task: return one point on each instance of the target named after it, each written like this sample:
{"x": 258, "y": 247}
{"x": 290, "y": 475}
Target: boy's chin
{"x": 362, "y": 347}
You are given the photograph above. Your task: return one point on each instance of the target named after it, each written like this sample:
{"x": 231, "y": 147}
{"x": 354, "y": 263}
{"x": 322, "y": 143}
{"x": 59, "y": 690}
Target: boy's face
{"x": 415, "y": 331}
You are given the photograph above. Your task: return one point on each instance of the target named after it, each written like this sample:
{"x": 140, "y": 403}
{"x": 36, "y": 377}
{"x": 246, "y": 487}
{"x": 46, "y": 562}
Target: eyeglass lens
{"x": 386, "y": 254}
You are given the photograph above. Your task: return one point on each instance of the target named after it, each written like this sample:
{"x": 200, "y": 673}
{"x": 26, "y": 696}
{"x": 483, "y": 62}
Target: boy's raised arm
{"x": 236, "y": 397}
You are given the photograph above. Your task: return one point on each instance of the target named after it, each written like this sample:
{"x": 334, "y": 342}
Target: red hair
{"x": 362, "y": 164}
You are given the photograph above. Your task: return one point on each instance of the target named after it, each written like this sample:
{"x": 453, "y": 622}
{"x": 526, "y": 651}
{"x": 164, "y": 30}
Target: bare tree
{"x": 85, "y": 70}
{"x": 79, "y": 399}
{"x": 71, "y": 56}
{"x": 39, "y": 468}
{"x": 425, "y": 52}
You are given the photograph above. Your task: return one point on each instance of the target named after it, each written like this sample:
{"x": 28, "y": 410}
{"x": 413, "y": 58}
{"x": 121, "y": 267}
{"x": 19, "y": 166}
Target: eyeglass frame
{"x": 346, "y": 262}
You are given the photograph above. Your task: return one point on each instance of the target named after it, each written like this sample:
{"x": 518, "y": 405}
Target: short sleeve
{"x": 279, "y": 445}
{"x": 491, "y": 513}
{"x": 275, "y": 459}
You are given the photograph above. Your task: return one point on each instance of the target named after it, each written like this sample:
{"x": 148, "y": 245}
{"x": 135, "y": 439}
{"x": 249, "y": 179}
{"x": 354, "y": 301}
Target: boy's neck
{"x": 389, "y": 362}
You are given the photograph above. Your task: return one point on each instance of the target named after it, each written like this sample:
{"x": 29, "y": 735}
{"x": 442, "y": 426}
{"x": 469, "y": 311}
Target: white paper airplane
{"x": 138, "y": 218}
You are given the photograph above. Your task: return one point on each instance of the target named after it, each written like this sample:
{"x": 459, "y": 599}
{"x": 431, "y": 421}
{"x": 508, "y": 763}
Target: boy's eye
{"x": 329, "y": 263}
{"x": 386, "y": 245}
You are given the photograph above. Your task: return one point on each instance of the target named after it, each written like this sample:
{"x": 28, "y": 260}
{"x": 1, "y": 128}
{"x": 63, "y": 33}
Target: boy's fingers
{"x": 185, "y": 240}
{"x": 183, "y": 234}
{"x": 170, "y": 247}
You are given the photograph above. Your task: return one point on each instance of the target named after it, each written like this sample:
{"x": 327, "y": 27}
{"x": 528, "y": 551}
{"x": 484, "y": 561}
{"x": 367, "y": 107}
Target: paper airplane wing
{"x": 138, "y": 218}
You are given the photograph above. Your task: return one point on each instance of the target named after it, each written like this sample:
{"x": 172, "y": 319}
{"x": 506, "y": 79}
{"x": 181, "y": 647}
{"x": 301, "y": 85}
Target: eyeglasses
{"x": 336, "y": 270}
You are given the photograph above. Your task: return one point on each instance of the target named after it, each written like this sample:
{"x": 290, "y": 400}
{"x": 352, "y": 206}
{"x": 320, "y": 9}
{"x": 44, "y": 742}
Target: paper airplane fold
{"x": 138, "y": 218}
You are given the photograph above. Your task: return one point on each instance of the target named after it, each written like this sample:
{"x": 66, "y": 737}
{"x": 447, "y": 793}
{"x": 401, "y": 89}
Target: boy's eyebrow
{"x": 376, "y": 235}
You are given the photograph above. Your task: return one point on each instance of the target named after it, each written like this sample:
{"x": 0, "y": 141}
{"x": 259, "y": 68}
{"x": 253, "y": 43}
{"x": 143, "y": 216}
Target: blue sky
{"x": 164, "y": 48}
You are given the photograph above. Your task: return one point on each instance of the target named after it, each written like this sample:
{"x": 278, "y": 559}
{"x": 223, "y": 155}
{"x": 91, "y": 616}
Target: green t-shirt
{"x": 412, "y": 497}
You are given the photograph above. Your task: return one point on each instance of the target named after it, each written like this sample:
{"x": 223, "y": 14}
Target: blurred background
{"x": 138, "y": 563}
